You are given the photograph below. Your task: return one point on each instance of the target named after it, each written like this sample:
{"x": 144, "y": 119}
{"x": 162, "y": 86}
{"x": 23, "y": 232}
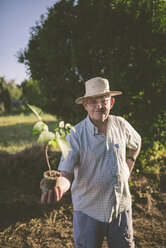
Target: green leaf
{"x": 40, "y": 127}
{"x": 62, "y": 132}
{"x": 37, "y": 111}
{"x": 56, "y": 126}
{"x": 45, "y": 137}
{"x": 53, "y": 143}
{"x": 64, "y": 145}
{"x": 68, "y": 126}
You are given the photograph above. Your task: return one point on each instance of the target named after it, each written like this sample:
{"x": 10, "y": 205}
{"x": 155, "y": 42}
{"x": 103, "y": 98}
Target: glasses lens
{"x": 94, "y": 102}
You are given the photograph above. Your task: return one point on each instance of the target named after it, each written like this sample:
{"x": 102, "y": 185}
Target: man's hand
{"x": 51, "y": 196}
{"x": 130, "y": 164}
{"x": 54, "y": 195}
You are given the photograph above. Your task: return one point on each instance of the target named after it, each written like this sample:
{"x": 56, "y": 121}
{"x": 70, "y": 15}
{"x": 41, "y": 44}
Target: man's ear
{"x": 112, "y": 101}
{"x": 84, "y": 104}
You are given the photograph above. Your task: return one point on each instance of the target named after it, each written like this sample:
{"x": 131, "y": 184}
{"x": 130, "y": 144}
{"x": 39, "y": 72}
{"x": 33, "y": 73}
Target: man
{"x": 97, "y": 171}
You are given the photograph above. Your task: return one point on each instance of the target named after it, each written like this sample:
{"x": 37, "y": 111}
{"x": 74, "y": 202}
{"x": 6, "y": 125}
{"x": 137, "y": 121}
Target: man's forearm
{"x": 133, "y": 154}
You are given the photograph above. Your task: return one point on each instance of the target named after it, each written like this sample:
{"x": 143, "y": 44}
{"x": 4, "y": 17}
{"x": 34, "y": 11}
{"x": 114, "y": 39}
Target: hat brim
{"x": 80, "y": 100}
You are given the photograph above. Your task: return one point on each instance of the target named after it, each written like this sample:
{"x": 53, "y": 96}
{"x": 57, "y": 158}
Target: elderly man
{"x": 98, "y": 169}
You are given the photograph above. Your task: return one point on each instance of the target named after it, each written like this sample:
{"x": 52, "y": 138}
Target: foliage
{"x": 32, "y": 92}
{"x": 14, "y": 90}
{"x": 10, "y": 96}
{"x": 49, "y": 138}
{"x": 5, "y": 98}
{"x": 123, "y": 41}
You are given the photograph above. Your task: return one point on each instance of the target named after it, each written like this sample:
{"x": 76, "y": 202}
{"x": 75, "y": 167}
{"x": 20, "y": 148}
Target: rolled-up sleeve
{"x": 133, "y": 139}
{"x": 72, "y": 159}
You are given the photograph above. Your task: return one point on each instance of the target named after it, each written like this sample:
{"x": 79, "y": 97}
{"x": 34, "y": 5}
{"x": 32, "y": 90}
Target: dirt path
{"x": 25, "y": 223}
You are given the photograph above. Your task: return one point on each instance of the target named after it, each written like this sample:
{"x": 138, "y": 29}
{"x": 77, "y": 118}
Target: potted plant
{"x": 51, "y": 177}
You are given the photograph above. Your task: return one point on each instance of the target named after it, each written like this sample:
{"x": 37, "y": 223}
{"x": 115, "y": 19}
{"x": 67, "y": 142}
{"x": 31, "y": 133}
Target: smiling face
{"x": 98, "y": 108}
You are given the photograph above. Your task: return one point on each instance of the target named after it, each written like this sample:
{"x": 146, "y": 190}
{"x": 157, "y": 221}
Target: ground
{"x": 25, "y": 223}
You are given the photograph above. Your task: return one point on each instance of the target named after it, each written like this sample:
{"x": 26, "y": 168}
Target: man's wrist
{"x": 131, "y": 158}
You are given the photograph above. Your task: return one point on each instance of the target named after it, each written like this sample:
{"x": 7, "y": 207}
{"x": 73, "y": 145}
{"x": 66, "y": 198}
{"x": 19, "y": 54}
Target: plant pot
{"x": 50, "y": 180}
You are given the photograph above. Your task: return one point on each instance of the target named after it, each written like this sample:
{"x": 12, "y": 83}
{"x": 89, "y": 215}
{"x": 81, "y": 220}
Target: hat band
{"x": 96, "y": 93}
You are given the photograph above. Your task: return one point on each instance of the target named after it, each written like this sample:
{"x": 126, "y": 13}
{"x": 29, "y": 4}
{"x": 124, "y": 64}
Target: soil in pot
{"x": 51, "y": 180}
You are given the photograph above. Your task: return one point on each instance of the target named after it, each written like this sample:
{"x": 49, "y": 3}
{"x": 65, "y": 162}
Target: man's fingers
{"x": 50, "y": 196}
{"x": 41, "y": 183}
{"x": 57, "y": 194}
{"x": 44, "y": 197}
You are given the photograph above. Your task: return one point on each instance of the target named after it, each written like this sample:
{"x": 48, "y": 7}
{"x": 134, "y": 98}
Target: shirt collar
{"x": 92, "y": 127}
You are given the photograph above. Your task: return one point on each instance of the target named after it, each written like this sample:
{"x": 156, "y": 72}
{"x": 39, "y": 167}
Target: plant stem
{"x": 48, "y": 163}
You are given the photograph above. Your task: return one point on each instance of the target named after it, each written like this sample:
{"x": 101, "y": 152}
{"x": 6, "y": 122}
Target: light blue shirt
{"x": 100, "y": 187}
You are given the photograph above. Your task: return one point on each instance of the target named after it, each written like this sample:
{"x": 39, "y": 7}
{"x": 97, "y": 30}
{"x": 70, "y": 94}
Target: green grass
{"x": 16, "y": 131}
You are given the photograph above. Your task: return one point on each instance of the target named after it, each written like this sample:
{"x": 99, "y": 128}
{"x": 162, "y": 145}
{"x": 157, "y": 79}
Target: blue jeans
{"x": 90, "y": 233}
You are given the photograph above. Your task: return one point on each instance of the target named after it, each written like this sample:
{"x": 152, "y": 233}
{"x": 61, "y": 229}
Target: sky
{"x": 16, "y": 19}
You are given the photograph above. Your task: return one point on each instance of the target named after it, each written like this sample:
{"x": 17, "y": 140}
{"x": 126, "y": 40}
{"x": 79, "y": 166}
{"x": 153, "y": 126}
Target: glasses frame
{"x": 95, "y": 101}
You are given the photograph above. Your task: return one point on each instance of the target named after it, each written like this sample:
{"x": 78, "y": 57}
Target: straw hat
{"x": 97, "y": 87}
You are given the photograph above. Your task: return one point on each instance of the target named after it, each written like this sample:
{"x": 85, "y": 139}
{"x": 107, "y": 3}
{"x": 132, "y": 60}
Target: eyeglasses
{"x": 102, "y": 102}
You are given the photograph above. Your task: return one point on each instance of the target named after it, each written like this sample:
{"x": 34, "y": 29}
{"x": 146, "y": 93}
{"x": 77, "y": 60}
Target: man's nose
{"x": 99, "y": 104}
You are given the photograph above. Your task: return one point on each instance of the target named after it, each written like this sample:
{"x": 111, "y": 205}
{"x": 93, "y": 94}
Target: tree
{"x": 5, "y": 97}
{"x": 14, "y": 90}
{"x": 50, "y": 60}
{"x": 123, "y": 41}
{"x": 31, "y": 92}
